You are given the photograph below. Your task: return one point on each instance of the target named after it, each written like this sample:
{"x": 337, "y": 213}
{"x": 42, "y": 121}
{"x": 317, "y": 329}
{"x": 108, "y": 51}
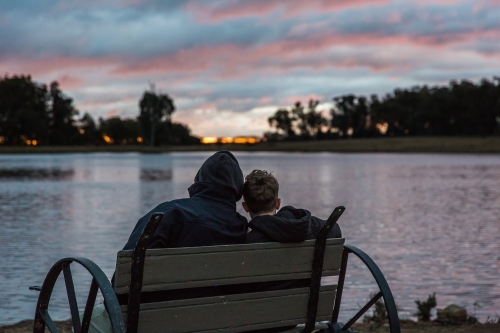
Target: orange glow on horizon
{"x": 226, "y": 140}
{"x": 209, "y": 139}
{"x": 243, "y": 140}
{"x": 107, "y": 138}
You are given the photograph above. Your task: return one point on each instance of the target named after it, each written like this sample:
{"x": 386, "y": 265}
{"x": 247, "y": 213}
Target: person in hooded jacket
{"x": 289, "y": 224}
{"x": 208, "y": 216}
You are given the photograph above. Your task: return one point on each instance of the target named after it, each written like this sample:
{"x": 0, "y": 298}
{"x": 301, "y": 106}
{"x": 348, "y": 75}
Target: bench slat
{"x": 233, "y": 313}
{"x": 178, "y": 268}
{"x": 234, "y": 247}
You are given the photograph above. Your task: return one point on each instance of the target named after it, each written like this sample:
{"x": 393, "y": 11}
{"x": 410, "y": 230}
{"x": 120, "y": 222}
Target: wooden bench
{"x": 229, "y": 288}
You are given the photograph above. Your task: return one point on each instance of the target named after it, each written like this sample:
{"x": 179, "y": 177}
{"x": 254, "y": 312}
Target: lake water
{"x": 431, "y": 222}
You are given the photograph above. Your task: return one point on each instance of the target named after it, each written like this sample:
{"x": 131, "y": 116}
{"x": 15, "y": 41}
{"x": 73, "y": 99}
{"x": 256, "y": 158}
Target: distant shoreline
{"x": 474, "y": 145}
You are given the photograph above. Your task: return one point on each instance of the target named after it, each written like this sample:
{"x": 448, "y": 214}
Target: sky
{"x": 229, "y": 65}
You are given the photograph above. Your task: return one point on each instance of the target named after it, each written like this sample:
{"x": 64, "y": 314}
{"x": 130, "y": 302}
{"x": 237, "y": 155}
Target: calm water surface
{"x": 431, "y": 222}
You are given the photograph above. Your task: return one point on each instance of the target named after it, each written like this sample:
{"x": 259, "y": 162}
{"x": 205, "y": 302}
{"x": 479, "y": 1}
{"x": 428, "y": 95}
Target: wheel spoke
{"x": 362, "y": 311}
{"x": 87, "y": 315}
{"x": 73, "y": 304}
{"x": 48, "y": 321}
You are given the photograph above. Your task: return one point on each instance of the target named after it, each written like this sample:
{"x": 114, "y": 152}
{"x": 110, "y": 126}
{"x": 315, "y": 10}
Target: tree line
{"x": 39, "y": 114}
{"x": 460, "y": 108}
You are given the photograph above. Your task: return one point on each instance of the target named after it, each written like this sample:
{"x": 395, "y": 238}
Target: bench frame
{"x": 101, "y": 282}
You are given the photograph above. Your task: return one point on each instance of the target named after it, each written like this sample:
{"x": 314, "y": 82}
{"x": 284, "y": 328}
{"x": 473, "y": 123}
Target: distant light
{"x": 226, "y": 140}
{"x": 81, "y": 130}
{"x": 243, "y": 140}
{"x": 139, "y": 139}
{"x": 2, "y": 140}
{"x": 209, "y": 139}
{"x": 107, "y": 138}
{"x": 34, "y": 142}
{"x": 28, "y": 142}
{"x": 382, "y": 128}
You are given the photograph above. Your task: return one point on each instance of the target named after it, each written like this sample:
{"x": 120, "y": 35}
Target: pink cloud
{"x": 265, "y": 100}
{"x": 235, "y": 61}
{"x": 112, "y": 113}
{"x": 43, "y": 66}
{"x": 99, "y": 102}
{"x": 444, "y": 2}
{"x": 191, "y": 60}
{"x": 237, "y": 9}
{"x": 484, "y": 5}
{"x": 394, "y": 18}
{"x": 70, "y": 82}
{"x": 206, "y": 107}
{"x": 232, "y": 61}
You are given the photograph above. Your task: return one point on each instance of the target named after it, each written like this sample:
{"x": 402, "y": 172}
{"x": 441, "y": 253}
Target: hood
{"x": 220, "y": 172}
{"x": 288, "y": 225}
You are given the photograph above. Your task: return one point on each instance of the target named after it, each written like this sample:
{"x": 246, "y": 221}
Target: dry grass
{"x": 26, "y": 326}
{"x": 408, "y": 326}
{"x": 388, "y": 145}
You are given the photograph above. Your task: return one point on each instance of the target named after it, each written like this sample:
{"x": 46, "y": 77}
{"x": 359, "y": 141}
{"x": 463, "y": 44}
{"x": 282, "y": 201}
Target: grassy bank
{"x": 486, "y": 145}
{"x": 406, "y": 327}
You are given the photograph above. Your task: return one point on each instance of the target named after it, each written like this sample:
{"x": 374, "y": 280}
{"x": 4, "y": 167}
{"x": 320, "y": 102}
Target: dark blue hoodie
{"x": 288, "y": 225}
{"x": 208, "y": 216}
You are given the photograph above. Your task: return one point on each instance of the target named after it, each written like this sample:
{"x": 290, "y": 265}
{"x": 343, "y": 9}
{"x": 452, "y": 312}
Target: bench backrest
{"x": 183, "y": 268}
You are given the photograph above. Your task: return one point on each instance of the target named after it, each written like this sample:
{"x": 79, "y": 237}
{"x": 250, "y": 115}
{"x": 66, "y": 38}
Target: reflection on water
{"x": 155, "y": 174}
{"x": 431, "y": 222}
{"x": 37, "y": 173}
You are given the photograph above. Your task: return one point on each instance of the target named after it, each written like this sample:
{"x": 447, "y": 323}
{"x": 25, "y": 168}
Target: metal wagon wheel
{"x": 99, "y": 282}
{"x": 384, "y": 291}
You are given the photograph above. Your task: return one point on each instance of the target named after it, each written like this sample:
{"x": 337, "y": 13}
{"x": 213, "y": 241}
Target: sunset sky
{"x": 229, "y": 64}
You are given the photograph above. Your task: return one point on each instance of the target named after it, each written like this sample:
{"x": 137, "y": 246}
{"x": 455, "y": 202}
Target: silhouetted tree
{"x": 462, "y": 108}
{"x": 299, "y": 121}
{"x": 89, "y": 134}
{"x": 344, "y": 114}
{"x": 60, "y": 113}
{"x": 154, "y": 108}
{"x": 314, "y": 119}
{"x": 175, "y": 134}
{"x": 23, "y": 111}
{"x": 120, "y": 131}
{"x": 300, "y": 118}
{"x": 283, "y": 121}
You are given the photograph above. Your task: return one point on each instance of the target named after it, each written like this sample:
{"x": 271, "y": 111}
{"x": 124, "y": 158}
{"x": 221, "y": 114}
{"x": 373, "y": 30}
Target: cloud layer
{"x": 229, "y": 64}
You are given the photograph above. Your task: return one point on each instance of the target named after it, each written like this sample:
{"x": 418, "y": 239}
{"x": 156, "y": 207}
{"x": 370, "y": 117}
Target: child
{"x": 289, "y": 224}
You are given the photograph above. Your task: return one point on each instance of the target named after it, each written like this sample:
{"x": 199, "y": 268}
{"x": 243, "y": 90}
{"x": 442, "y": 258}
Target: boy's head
{"x": 260, "y": 193}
